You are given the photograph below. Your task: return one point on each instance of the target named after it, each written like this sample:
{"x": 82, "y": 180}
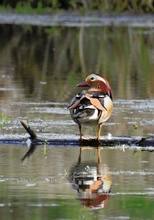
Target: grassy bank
{"x": 48, "y": 6}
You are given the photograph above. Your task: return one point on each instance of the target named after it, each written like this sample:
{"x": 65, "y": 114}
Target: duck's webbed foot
{"x": 85, "y": 138}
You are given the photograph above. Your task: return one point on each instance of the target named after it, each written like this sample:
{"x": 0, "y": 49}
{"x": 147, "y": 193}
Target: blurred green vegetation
{"x": 47, "y": 6}
{"x": 52, "y": 60}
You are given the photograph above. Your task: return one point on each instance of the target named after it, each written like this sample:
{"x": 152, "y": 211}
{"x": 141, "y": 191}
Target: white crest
{"x": 97, "y": 77}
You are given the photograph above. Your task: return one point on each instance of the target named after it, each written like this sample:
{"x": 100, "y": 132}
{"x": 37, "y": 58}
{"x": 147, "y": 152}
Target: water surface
{"x": 39, "y": 69}
{"x": 40, "y": 188}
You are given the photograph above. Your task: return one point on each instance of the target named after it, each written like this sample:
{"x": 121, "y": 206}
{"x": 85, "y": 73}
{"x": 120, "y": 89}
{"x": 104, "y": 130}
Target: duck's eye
{"x": 92, "y": 78}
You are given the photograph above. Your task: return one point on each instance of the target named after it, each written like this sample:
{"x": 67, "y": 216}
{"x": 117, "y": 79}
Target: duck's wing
{"x": 76, "y": 100}
{"x": 97, "y": 100}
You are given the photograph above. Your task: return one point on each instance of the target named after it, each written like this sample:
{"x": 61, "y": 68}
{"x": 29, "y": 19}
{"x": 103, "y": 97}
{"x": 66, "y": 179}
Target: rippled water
{"x": 50, "y": 119}
{"x": 39, "y": 70}
{"x": 40, "y": 186}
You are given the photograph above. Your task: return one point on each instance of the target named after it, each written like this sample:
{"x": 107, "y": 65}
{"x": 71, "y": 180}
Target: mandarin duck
{"x": 93, "y": 106}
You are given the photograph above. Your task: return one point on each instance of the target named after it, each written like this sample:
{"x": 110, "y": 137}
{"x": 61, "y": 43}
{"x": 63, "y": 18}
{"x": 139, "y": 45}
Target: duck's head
{"x": 97, "y": 82}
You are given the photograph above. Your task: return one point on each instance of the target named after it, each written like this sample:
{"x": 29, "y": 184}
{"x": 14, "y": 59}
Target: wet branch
{"x": 33, "y": 136}
{"x": 114, "y": 141}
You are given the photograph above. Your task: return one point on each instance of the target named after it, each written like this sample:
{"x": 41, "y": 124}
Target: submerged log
{"x": 112, "y": 141}
{"x": 108, "y": 142}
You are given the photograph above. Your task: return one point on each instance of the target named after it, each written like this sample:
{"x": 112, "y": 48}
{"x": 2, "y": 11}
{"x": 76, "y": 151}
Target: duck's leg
{"x": 80, "y": 132}
{"x": 99, "y": 131}
{"x": 99, "y": 155}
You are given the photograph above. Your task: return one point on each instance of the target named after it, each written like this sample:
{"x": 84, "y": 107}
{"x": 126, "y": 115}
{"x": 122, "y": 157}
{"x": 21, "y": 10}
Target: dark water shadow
{"x": 31, "y": 150}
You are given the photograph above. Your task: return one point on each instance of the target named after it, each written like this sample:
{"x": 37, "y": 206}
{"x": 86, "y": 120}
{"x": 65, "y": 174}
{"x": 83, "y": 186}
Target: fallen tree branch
{"x": 113, "y": 141}
{"x": 33, "y": 136}
{"x": 108, "y": 142}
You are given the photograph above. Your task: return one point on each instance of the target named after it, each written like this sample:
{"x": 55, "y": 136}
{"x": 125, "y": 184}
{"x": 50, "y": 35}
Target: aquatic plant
{"x": 5, "y": 120}
{"x": 135, "y": 126}
{"x": 45, "y": 148}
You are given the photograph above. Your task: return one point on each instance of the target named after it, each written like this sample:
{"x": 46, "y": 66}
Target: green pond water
{"x": 39, "y": 69}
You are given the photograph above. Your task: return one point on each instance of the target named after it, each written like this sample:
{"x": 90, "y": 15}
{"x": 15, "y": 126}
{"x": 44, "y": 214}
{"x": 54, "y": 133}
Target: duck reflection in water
{"x": 92, "y": 182}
